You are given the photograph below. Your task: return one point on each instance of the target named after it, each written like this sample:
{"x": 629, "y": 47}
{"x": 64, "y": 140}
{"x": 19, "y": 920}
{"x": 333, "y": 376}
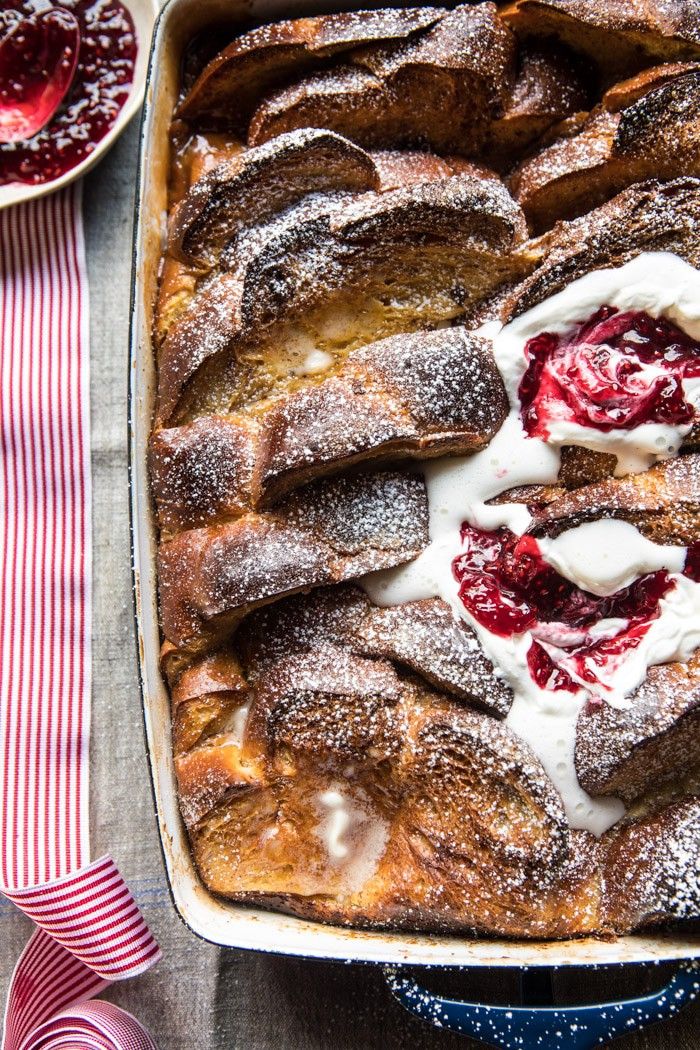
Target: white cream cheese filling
{"x": 353, "y": 833}
{"x": 601, "y": 557}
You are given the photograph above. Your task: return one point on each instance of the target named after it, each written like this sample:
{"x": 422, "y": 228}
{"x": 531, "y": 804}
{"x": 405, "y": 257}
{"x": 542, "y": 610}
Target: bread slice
{"x": 228, "y": 87}
{"x": 252, "y": 187}
{"x": 187, "y": 263}
{"x": 552, "y": 84}
{"x": 625, "y": 92}
{"x": 385, "y": 263}
{"x": 423, "y": 636}
{"x": 627, "y": 752}
{"x": 421, "y": 794}
{"x": 651, "y": 872}
{"x": 331, "y": 531}
{"x": 420, "y": 395}
{"x": 663, "y": 502}
{"x": 440, "y": 89}
{"x": 203, "y": 471}
{"x": 621, "y": 37}
{"x": 653, "y": 216}
{"x": 204, "y": 695}
{"x": 655, "y": 136}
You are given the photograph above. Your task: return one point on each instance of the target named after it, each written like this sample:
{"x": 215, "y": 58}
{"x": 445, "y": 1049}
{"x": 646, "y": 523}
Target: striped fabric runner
{"x": 89, "y": 929}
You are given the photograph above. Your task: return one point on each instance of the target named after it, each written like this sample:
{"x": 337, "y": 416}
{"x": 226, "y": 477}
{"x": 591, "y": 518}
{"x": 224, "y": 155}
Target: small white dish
{"x": 144, "y": 14}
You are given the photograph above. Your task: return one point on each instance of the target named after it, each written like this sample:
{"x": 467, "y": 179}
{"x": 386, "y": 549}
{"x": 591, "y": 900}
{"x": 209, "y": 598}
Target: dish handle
{"x": 534, "y": 1027}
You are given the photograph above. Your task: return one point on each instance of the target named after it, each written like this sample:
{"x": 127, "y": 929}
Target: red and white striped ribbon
{"x": 89, "y": 929}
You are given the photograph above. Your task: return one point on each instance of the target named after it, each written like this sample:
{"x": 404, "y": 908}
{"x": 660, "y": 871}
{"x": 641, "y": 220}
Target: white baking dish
{"x": 223, "y": 923}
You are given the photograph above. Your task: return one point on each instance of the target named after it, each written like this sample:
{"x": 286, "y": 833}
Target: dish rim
{"x": 227, "y": 923}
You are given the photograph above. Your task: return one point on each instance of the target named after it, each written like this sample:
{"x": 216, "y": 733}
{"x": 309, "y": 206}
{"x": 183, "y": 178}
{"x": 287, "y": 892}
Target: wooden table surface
{"x": 200, "y": 997}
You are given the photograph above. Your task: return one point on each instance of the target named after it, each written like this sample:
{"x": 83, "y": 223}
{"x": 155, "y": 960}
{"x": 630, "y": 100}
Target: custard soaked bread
{"x": 328, "y": 276}
{"x": 425, "y": 471}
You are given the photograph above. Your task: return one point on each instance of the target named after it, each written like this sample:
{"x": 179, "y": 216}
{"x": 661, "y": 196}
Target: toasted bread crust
{"x": 654, "y": 216}
{"x": 663, "y": 502}
{"x": 551, "y": 85}
{"x": 651, "y": 872}
{"x": 655, "y": 135}
{"x": 253, "y": 186}
{"x": 657, "y": 738}
{"x": 227, "y": 88}
{"x": 422, "y": 636}
{"x": 329, "y": 532}
{"x": 394, "y": 96}
{"x": 426, "y": 394}
{"x": 618, "y": 36}
{"x": 419, "y": 395}
{"x": 456, "y": 234}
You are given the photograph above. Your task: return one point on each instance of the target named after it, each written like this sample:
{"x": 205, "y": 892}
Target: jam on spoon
{"x": 38, "y": 56}
{"x": 100, "y": 85}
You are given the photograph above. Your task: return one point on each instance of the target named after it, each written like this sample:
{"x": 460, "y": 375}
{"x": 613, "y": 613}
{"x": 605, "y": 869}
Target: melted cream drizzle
{"x": 353, "y": 833}
{"x": 458, "y": 490}
{"x": 602, "y": 557}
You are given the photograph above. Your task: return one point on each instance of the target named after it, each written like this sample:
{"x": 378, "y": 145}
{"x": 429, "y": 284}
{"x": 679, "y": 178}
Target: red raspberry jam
{"x": 508, "y": 587}
{"x": 692, "y": 563}
{"x": 100, "y": 87}
{"x": 612, "y": 372}
{"x": 38, "y": 56}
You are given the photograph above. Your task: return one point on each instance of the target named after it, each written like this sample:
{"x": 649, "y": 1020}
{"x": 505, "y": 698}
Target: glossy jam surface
{"x": 613, "y": 371}
{"x": 38, "y": 56}
{"x": 507, "y": 586}
{"x": 100, "y": 87}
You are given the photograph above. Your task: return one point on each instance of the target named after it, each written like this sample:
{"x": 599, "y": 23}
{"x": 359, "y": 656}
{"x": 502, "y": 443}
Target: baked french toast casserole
{"x": 425, "y": 465}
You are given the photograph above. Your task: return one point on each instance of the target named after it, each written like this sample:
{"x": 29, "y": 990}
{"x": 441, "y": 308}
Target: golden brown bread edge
{"x": 226, "y": 89}
{"x": 418, "y": 395}
{"x": 440, "y": 89}
{"x": 330, "y": 531}
{"x": 207, "y": 690}
{"x": 251, "y": 187}
{"x": 655, "y": 136}
{"x": 651, "y": 216}
{"x": 422, "y": 636}
{"x": 620, "y": 38}
{"x": 440, "y": 245}
{"x": 465, "y": 829}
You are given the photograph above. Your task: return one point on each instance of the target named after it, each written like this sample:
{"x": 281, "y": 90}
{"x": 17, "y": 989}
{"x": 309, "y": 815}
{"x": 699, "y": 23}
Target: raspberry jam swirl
{"x": 614, "y": 371}
{"x": 99, "y": 89}
{"x": 508, "y": 588}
